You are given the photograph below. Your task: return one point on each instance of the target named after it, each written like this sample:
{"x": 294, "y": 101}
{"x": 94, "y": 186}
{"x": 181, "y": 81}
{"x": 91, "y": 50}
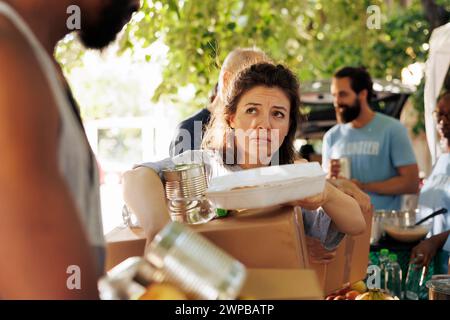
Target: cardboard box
{"x": 271, "y": 239}
{"x": 261, "y": 239}
{"x": 350, "y": 264}
{"x": 282, "y": 284}
{"x": 123, "y": 243}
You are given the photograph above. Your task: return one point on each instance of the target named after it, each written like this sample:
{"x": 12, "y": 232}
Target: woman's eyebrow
{"x": 253, "y": 104}
{"x": 280, "y": 107}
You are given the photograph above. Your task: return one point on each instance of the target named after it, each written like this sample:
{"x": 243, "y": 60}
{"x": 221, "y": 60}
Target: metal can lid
{"x": 183, "y": 172}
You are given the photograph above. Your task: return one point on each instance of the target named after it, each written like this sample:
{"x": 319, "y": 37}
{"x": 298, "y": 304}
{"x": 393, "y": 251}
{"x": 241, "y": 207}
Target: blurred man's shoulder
{"x": 334, "y": 130}
{"x": 15, "y": 51}
{"x": 22, "y": 79}
{"x": 389, "y": 121}
{"x": 202, "y": 115}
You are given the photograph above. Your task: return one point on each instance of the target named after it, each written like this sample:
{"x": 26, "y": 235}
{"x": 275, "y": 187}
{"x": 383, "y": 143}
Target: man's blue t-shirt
{"x": 375, "y": 151}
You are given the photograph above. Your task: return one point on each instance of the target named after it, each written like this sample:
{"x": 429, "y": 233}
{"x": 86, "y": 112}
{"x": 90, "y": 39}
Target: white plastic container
{"x": 267, "y": 186}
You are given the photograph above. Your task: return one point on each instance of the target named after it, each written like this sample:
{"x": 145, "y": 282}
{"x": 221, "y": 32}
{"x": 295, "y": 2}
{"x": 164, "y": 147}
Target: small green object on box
{"x": 221, "y": 212}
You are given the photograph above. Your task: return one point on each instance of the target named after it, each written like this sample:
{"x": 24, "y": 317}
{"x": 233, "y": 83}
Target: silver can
{"x": 185, "y": 186}
{"x": 345, "y": 164}
{"x": 196, "y": 265}
{"x": 128, "y": 280}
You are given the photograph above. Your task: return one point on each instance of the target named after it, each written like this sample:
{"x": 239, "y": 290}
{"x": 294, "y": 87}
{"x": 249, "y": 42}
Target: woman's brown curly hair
{"x": 260, "y": 74}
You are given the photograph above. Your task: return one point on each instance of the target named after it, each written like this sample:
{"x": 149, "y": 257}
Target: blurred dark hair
{"x": 359, "y": 79}
{"x": 443, "y": 113}
{"x": 260, "y": 74}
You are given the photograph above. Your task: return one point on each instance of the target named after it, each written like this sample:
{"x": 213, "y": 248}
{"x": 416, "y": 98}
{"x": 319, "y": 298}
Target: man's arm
{"x": 40, "y": 231}
{"x": 407, "y": 182}
{"x": 403, "y": 159}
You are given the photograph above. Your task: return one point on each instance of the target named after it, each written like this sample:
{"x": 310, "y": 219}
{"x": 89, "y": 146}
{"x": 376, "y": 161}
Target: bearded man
{"x": 381, "y": 157}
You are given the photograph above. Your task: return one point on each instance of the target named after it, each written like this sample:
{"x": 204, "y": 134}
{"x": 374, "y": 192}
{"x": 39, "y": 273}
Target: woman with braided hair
{"x": 435, "y": 193}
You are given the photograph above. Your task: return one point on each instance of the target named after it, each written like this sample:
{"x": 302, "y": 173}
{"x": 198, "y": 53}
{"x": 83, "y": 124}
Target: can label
{"x": 345, "y": 170}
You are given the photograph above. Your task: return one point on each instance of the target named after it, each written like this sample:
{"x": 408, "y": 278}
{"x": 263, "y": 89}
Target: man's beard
{"x": 349, "y": 112}
{"x": 112, "y": 18}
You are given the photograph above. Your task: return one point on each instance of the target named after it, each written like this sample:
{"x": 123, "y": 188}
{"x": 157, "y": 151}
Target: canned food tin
{"x": 196, "y": 265}
{"x": 128, "y": 280}
{"x": 185, "y": 187}
{"x": 345, "y": 171}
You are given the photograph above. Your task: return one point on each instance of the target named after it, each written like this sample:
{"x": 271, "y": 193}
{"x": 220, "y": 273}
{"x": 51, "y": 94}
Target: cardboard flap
{"x": 279, "y": 284}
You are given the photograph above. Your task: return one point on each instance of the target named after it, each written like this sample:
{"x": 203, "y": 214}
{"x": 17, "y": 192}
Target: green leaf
{"x": 173, "y": 6}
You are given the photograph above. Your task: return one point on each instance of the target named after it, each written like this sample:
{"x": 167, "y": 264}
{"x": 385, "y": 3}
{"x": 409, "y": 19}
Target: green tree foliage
{"x": 313, "y": 37}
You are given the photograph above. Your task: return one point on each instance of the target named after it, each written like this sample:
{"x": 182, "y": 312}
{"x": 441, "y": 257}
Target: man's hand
{"x": 354, "y": 191}
{"x": 358, "y": 183}
{"x": 424, "y": 252}
{"x": 334, "y": 168}
{"x": 317, "y": 252}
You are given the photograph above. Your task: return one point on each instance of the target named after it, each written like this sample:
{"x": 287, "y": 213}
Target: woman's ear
{"x": 223, "y": 84}
{"x": 230, "y": 121}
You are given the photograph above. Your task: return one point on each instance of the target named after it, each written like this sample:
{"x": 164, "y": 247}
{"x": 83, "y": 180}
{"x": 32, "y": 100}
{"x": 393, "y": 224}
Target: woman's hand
{"x": 317, "y": 252}
{"x": 350, "y": 188}
{"x": 313, "y": 202}
{"x": 340, "y": 207}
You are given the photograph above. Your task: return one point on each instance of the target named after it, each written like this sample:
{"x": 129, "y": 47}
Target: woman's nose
{"x": 264, "y": 123}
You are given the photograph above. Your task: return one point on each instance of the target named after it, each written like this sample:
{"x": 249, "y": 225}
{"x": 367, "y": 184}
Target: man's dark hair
{"x": 359, "y": 79}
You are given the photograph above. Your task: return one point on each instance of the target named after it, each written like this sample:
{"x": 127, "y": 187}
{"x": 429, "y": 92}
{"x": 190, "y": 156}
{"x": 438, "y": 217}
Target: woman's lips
{"x": 262, "y": 140}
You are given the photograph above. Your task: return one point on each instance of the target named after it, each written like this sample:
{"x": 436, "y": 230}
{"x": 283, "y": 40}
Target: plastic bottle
{"x": 393, "y": 277}
{"x": 383, "y": 259}
{"x": 414, "y": 281}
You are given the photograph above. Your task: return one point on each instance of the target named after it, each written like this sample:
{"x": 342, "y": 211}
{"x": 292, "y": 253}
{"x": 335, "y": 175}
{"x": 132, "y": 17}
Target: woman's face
{"x": 260, "y": 124}
{"x": 443, "y": 109}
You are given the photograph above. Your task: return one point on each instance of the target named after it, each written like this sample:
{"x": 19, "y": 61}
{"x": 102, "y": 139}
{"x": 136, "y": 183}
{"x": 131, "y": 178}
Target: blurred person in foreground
{"x": 382, "y": 160}
{"x": 49, "y": 192}
{"x": 435, "y": 194}
{"x": 189, "y": 133}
